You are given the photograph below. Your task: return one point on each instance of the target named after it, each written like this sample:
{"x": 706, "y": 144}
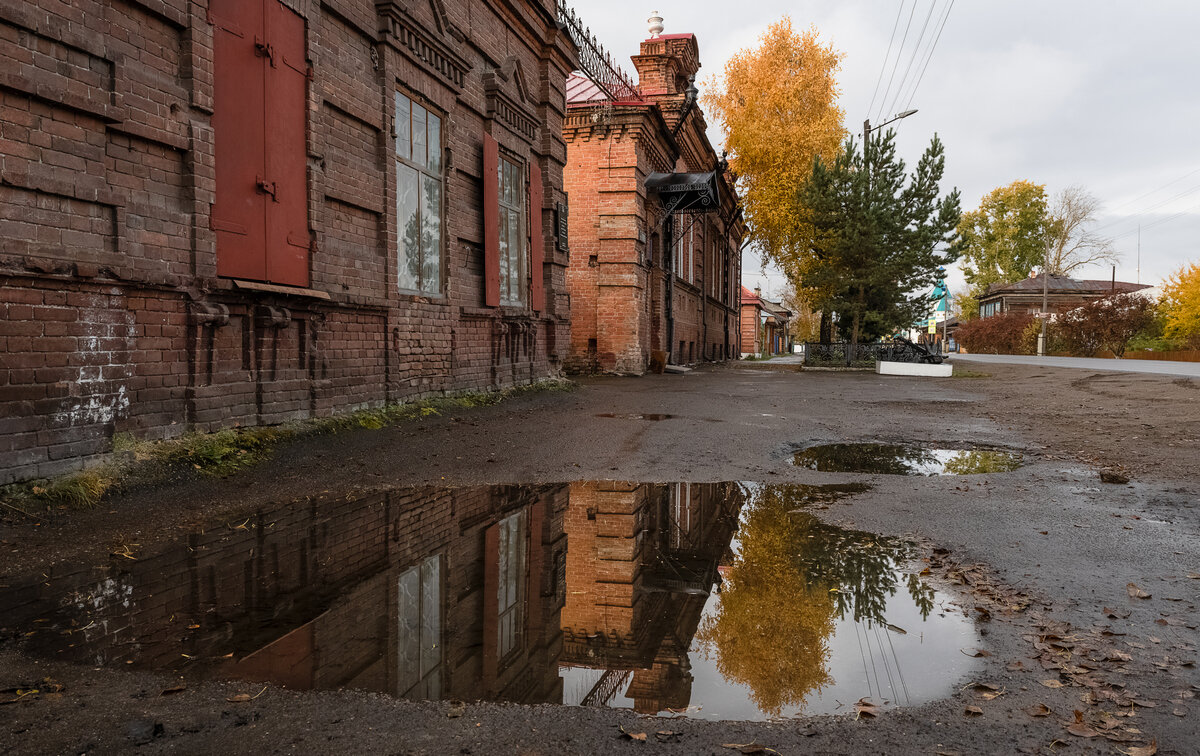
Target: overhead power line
{"x": 929, "y": 55}
{"x": 913, "y": 57}
{"x": 896, "y": 65}
{"x": 883, "y": 67}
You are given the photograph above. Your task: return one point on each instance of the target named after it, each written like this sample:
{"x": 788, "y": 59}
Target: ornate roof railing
{"x": 595, "y": 61}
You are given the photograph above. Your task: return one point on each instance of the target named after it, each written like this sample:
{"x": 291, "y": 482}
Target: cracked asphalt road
{"x": 1049, "y": 535}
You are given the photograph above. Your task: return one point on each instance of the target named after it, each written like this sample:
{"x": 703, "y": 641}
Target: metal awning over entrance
{"x": 686, "y": 192}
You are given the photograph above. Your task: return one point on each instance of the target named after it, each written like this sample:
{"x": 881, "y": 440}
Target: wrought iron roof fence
{"x": 595, "y": 61}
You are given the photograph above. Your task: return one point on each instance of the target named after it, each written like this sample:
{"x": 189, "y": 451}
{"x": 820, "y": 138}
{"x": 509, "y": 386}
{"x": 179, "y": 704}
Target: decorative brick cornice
{"x": 508, "y": 99}
{"x": 408, "y": 35}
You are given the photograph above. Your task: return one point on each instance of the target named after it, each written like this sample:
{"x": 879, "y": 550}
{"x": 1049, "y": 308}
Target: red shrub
{"x": 998, "y": 334}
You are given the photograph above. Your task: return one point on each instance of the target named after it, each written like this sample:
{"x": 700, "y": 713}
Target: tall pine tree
{"x": 880, "y": 235}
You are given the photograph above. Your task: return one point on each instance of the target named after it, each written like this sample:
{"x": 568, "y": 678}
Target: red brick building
{"x": 764, "y": 325}
{"x": 630, "y": 297}
{"x": 224, "y": 212}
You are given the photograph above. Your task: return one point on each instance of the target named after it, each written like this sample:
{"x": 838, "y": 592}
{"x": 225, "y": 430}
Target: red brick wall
{"x": 618, "y": 292}
{"x": 112, "y": 317}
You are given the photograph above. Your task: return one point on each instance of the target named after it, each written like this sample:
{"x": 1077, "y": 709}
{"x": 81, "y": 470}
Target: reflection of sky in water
{"x": 864, "y": 659}
{"x": 911, "y": 669}
{"x": 897, "y": 459}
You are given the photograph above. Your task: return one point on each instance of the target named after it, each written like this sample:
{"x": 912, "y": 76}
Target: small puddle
{"x": 904, "y": 459}
{"x": 717, "y": 600}
{"x": 634, "y": 416}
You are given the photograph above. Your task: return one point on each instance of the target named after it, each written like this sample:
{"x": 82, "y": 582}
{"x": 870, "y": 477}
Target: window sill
{"x": 295, "y": 291}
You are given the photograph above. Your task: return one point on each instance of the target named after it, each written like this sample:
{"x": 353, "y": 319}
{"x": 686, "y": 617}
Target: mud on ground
{"x": 1047, "y": 551}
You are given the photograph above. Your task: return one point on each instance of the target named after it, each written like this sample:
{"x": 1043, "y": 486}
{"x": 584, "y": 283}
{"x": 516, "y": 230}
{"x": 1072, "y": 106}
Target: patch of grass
{"x": 966, "y": 373}
{"x": 226, "y": 451}
{"x": 80, "y": 490}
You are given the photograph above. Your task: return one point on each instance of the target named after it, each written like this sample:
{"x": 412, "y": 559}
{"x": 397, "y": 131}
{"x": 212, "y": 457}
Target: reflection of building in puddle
{"x": 641, "y": 563}
{"x": 420, "y": 593}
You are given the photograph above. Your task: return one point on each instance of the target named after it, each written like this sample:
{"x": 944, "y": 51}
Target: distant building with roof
{"x": 764, "y": 325}
{"x": 633, "y": 294}
{"x": 1062, "y": 294}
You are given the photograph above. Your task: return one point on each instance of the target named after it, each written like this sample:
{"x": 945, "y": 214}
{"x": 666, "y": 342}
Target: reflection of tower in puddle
{"x": 641, "y": 563}
{"x": 421, "y": 593}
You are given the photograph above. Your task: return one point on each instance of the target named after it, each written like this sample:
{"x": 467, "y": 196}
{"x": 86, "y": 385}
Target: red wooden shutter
{"x": 537, "y": 245}
{"x": 491, "y": 221}
{"x": 239, "y": 209}
{"x": 287, "y": 110}
{"x": 260, "y": 211}
{"x": 491, "y": 602}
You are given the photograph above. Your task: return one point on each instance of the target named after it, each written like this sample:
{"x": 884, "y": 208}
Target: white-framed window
{"x": 419, "y": 637}
{"x": 510, "y": 588}
{"x": 514, "y": 254}
{"x": 419, "y": 190}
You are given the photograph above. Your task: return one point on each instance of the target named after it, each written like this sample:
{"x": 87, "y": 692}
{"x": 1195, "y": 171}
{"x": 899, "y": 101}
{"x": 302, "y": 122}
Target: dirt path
{"x": 1049, "y": 537}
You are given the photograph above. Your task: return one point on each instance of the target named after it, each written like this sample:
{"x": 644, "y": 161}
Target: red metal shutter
{"x": 491, "y": 603}
{"x": 239, "y": 208}
{"x": 491, "y": 221}
{"x": 260, "y": 211}
{"x": 537, "y": 244}
{"x": 286, "y": 113}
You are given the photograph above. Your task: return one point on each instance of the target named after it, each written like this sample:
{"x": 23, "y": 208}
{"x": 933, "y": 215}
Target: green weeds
{"x": 227, "y": 451}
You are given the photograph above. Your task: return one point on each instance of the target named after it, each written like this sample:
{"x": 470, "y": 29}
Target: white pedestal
{"x": 945, "y": 370}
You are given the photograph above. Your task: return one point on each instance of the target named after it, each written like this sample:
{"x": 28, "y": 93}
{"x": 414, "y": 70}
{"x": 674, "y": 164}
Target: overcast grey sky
{"x": 1102, "y": 94}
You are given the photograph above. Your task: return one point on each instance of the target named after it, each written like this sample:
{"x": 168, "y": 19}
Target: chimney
{"x": 758, "y": 291}
{"x": 666, "y": 63}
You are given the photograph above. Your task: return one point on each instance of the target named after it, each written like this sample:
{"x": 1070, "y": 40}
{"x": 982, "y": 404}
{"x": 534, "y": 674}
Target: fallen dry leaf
{"x": 1135, "y": 592}
{"x": 1052, "y": 683}
{"x": 668, "y": 736}
{"x": 244, "y": 697}
{"x": 173, "y": 689}
{"x": 1194, "y": 575}
{"x": 975, "y": 652}
{"x": 972, "y": 711}
{"x": 456, "y": 710}
{"x": 748, "y": 748}
{"x": 1146, "y": 750}
{"x": 1038, "y": 710}
{"x": 1116, "y": 613}
{"x": 638, "y": 736}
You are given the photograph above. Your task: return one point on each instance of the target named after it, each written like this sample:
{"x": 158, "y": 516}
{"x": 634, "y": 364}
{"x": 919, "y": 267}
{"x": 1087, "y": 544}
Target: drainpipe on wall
{"x": 669, "y": 260}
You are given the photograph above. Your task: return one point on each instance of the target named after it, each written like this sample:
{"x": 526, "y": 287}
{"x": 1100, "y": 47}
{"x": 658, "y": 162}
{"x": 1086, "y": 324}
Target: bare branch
{"x": 1073, "y": 244}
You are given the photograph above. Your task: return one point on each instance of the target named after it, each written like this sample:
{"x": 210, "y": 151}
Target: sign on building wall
{"x": 560, "y": 226}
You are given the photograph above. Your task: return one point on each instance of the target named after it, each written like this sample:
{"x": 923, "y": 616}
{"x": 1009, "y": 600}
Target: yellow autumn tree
{"x": 1180, "y": 305}
{"x": 771, "y": 630}
{"x": 778, "y": 105}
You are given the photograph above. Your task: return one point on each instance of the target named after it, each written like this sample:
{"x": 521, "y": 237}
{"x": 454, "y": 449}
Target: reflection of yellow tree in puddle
{"x": 976, "y": 462}
{"x": 793, "y": 577}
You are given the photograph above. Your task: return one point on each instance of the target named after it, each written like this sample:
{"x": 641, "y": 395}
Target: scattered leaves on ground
{"x": 1135, "y": 592}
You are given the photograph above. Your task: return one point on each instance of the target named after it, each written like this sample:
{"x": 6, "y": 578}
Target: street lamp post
{"x": 867, "y": 129}
{"x": 1045, "y": 300}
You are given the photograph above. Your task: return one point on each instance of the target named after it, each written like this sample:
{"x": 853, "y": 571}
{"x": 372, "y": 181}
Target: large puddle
{"x": 904, "y": 459}
{"x": 724, "y": 601}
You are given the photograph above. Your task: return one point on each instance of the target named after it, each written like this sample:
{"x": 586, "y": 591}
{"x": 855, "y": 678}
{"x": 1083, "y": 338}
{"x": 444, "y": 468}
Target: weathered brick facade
{"x": 116, "y": 313}
{"x": 620, "y": 276}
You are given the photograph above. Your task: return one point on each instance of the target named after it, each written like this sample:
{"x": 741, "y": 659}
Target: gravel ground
{"x": 1046, "y": 550}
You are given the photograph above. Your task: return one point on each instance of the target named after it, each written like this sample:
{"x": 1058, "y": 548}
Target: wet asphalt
{"x": 1052, "y": 547}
